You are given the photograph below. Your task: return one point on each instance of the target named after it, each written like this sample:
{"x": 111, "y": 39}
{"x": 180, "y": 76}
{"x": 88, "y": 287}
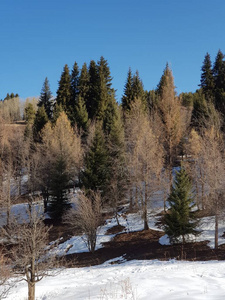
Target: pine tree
{"x": 128, "y": 96}
{"x": 219, "y": 80}
{"x": 137, "y": 87}
{"x": 81, "y": 115}
{"x": 74, "y": 88}
{"x": 180, "y": 221}
{"x": 45, "y": 98}
{"x": 207, "y": 81}
{"x": 40, "y": 120}
{"x": 92, "y": 97}
{"x": 83, "y": 86}
{"x": 64, "y": 90}
{"x": 95, "y": 175}
{"x": 59, "y": 182}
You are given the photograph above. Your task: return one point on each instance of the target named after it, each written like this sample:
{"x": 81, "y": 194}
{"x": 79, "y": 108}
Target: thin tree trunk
{"x": 216, "y": 226}
{"x": 146, "y": 227}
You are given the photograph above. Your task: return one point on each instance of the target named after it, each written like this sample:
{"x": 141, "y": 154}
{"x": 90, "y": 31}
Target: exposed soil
{"x": 144, "y": 245}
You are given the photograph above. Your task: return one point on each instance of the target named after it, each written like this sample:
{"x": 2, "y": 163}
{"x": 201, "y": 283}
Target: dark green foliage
{"x": 40, "y": 120}
{"x": 74, "y": 90}
{"x": 56, "y": 112}
{"x": 207, "y": 81}
{"x": 64, "y": 90}
{"x": 162, "y": 81}
{"x": 92, "y": 97}
{"x": 219, "y": 81}
{"x": 58, "y": 185}
{"x": 84, "y": 82}
{"x": 133, "y": 90}
{"x": 128, "y": 95}
{"x": 81, "y": 115}
{"x": 29, "y": 113}
{"x": 180, "y": 221}
{"x": 96, "y": 173}
{"x": 11, "y": 96}
{"x": 187, "y": 99}
{"x": 46, "y": 99}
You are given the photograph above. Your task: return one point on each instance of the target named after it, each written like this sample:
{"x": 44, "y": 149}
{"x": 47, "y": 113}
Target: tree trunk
{"x": 31, "y": 291}
{"x": 145, "y": 214}
{"x": 216, "y": 227}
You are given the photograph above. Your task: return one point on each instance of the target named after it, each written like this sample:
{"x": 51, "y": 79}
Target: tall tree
{"x": 180, "y": 221}
{"x": 41, "y": 118}
{"x": 74, "y": 90}
{"x": 170, "y": 112}
{"x": 64, "y": 90}
{"x": 128, "y": 92}
{"x": 46, "y": 98}
{"x": 219, "y": 79}
{"x": 207, "y": 80}
{"x": 92, "y": 97}
{"x": 96, "y": 170}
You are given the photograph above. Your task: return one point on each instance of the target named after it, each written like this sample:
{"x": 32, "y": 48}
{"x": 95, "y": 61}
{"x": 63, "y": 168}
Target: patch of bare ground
{"x": 144, "y": 245}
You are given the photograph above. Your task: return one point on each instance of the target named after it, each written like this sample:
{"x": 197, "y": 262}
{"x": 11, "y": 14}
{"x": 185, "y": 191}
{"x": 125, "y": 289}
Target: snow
{"x": 121, "y": 279}
{"x": 155, "y": 280}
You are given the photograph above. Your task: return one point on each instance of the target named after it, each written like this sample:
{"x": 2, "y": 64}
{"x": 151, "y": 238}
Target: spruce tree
{"x": 45, "y": 98}
{"x": 58, "y": 195}
{"x": 180, "y": 220}
{"x": 40, "y": 120}
{"x": 83, "y": 85}
{"x": 64, "y": 90}
{"x": 74, "y": 88}
{"x": 96, "y": 173}
{"x": 128, "y": 96}
{"x": 81, "y": 115}
{"x": 219, "y": 80}
{"x": 93, "y": 91}
{"x": 207, "y": 81}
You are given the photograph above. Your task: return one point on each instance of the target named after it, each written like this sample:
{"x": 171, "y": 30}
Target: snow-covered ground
{"x": 146, "y": 280}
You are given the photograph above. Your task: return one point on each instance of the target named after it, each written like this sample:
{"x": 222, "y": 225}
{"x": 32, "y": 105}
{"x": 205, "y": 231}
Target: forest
{"x": 85, "y": 149}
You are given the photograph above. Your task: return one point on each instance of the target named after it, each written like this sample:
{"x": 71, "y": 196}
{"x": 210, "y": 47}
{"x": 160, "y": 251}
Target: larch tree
{"x": 170, "y": 111}
{"x": 63, "y": 154}
{"x": 145, "y": 157}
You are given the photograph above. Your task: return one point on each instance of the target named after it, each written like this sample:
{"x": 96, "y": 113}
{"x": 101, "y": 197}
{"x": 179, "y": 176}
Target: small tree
{"x": 86, "y": 217}
{"x": 30, "y": 254}
{"x": 180, "y": 221}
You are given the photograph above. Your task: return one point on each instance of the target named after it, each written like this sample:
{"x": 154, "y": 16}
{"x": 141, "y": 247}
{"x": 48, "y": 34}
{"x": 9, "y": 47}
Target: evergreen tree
{"x": 59, "y": 182}
{"x": 83, "y": 86}
{"x": 180, "y": 221}
{"x": 137, "y": 87}
{"x": 58, "y": 109}
{"x": 207, "y": 81}
{"x": 64, "y": 90}
{"x": 128, "y": 96}
{"x": 45, "y": 98}
{"x": 219, "y": 80}
{"x": 29, "y": 113}
{"x": 200, "y": 110}
{"x": 93, "y": 91}
{"x": 96, "y": 174}
{"x": 74, "y": 87}
{"x": 81, "y": 115}
{"x": 40, "y": 120}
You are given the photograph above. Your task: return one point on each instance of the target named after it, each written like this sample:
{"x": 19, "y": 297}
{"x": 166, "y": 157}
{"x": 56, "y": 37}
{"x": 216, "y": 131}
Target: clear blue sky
{"x": 39, "y": 37}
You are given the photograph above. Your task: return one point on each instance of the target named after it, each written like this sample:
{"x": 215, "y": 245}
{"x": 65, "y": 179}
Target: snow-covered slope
{"x": 143, "y": 280}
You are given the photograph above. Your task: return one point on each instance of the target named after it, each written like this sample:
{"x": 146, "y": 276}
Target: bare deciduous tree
{"x": 30, "y": 254}
{"x": 87, "y": 217}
